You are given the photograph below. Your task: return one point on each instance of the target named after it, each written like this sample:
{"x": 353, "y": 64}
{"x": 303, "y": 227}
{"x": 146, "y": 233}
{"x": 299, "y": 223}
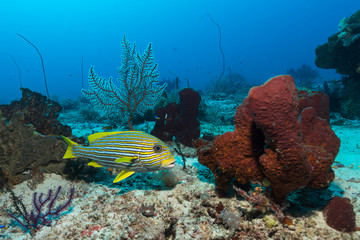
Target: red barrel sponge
{"x": 339, "y": 214}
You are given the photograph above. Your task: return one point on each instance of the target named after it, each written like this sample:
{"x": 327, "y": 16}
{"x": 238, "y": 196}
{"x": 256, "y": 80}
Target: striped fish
{"x": 130, "y": 151}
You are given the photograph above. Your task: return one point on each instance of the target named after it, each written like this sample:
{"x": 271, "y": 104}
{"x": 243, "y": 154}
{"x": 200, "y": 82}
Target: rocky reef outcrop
{"x": 30, "y": 141}
{"x": 39, "y": 111}
{"x": 341, "y": 52}
{"x": 25, "y": 153}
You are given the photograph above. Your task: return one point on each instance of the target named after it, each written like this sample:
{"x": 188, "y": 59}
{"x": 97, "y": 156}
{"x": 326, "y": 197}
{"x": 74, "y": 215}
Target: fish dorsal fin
{"x": 121, "y": 176}
{"x": 95, "y": 136}
{"x": 126, "y": 160}
{"x": 94, "y": 164}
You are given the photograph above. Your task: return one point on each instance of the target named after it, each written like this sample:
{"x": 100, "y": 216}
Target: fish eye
{"x": 157, "y": 148}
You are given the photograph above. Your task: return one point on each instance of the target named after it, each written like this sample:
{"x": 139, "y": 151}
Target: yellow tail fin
{"x": 69, "y": 151}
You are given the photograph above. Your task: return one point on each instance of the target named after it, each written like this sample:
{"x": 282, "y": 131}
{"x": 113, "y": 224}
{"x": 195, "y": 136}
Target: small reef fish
{"x": 130, "y": 151}
{"x": 107, "y": 128}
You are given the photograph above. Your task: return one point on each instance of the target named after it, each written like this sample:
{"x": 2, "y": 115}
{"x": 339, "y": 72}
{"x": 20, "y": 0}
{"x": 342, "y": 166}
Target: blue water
{"x": 260, "y": 39}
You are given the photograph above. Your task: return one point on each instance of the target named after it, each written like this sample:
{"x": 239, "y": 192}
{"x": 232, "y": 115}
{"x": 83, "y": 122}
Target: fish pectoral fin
{"x": 94, "y": 164}
{"x": 121, "y": 176}
{"x": 125, "y": 159}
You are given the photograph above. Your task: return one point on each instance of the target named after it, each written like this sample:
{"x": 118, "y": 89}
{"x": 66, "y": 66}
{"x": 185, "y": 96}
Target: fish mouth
{"x": 170, "y": 165}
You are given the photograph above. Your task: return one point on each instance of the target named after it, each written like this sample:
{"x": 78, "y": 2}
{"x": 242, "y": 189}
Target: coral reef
{"x": 274, "y": 137}
{"x": 339, "y": 214}
{"x": 39, "y": 111}
{"x": 341, "y": 53}
{"x": 23, "y": 151}
{"x": 148, "y": 207}
{"x": 179, "y": 120}
{"x": 336, "y": 54}
{"x": 191, "y": 210}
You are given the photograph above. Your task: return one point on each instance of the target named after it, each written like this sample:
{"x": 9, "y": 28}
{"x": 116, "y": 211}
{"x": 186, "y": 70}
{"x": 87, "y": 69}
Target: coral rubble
{"x": 274, "y": 138}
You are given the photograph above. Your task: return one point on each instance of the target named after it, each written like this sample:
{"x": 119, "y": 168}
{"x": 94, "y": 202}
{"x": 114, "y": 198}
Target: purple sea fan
{"x": 44, "y": 210}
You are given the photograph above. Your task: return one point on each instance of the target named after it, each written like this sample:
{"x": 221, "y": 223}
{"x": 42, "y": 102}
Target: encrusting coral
{"x": 274, "y": 138}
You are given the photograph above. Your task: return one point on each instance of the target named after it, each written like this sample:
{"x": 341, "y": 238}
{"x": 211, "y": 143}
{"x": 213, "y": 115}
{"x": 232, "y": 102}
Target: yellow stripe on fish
{"x": 130, "y": 151}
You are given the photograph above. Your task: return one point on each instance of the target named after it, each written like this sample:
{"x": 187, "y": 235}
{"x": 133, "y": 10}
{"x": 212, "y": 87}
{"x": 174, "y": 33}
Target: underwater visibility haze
{"x": 260, "y": 39}
{"x": 185, "y": 119}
